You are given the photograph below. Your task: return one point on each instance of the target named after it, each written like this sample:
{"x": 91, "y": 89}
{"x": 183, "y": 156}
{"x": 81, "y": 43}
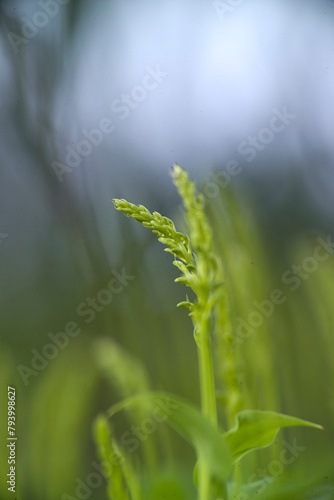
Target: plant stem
{"x": 206, "y": 373}
{"x": 203, "y": 482}
{"x": 208, "y": 395}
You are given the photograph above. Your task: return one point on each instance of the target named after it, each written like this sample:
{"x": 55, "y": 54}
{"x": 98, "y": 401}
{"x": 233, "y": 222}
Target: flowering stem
{"x": 201, "y": 271}
{"x": 206, "y": 374}
{"x": 208, "y": 397}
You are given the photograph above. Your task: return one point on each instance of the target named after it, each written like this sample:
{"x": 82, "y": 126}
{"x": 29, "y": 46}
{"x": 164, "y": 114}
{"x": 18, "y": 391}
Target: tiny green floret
{"x": 193, "y": 255}
{"x": 177, "y": 243}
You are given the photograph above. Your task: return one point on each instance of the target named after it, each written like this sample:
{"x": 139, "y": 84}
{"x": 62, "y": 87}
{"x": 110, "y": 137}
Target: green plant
{"x": 218, "y": 452}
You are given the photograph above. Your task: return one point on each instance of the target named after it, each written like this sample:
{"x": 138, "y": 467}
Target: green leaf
{"x": 257, "y": 429}
{"x": 208, "y": 442}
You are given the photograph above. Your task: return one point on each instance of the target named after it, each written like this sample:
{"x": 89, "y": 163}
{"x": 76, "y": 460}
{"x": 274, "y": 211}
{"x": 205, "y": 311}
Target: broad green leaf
{"x": 257, "y": 429}
{"x": 208, "y": 442}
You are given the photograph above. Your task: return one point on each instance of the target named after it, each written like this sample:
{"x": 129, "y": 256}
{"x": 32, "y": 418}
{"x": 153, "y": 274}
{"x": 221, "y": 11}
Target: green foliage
{"x": 193, "y": 255}
{"x": 177, "y": 243}
{"x": 208, "y": 442}
{"x": 128, "y": 376}
{"x": 202, "y": 270}
{"x": 257, "y": 429}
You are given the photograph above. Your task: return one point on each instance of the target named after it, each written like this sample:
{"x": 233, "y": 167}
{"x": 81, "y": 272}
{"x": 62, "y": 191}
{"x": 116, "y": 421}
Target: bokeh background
{"x": 146, "y": 84}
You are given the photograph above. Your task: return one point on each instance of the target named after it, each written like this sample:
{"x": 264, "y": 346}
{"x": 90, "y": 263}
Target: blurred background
{"x": 98, "y": 100}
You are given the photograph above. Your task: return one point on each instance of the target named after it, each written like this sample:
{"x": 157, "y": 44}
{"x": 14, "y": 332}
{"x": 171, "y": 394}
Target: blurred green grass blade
{"x": 208, "y": 442}
{"x": 127, "y": 374}
{"x": 122, "y": 480}
{"x": 60, "y": 413}
{"x": 257, "y": 429}
{"x": 111, "y": 458}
